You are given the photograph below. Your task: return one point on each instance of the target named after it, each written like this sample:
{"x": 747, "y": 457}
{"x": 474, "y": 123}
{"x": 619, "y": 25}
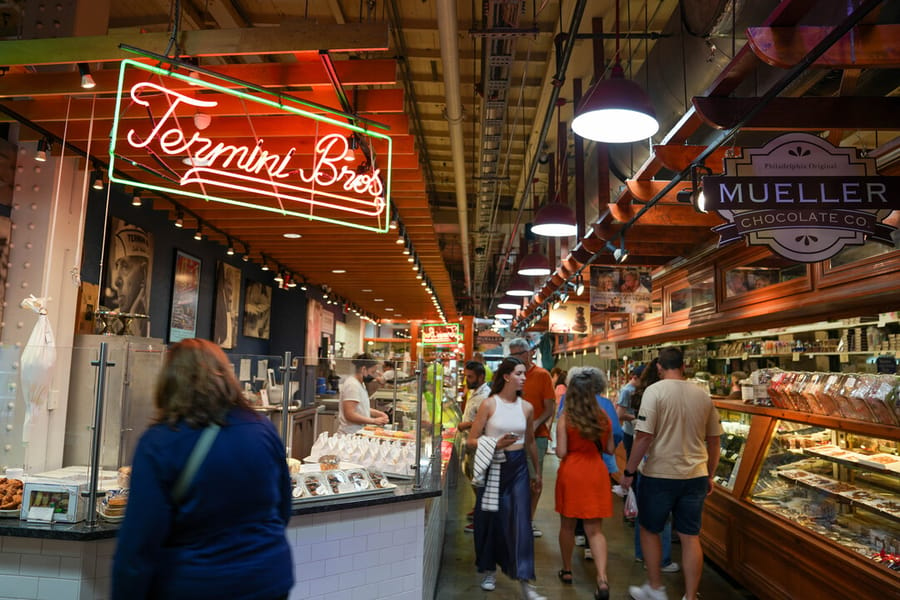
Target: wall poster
{"x": 257, "y": 310}
{"x": 127, "y": 277}
{"x": 228, "y": 297}
{"x": 620, "y": 290}
{"x": 185, "y": 297}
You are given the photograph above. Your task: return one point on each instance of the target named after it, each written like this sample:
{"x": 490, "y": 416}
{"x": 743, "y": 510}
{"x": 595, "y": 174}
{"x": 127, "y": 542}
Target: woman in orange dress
{"x": 582, "y": 482}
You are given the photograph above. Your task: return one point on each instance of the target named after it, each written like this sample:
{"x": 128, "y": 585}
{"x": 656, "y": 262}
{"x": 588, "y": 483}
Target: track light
{"x": 406, "y": 250}
{"x": 87, "y": 82}
{"x": 43, "y": 149}
{"x": 303, "y": 285}
{"x": 279, "y": 278}
{"x": 198, "y": 235}
{"x": 620, "y": 254}
{"x": 579, "y": 285}
{"x": 230, "y": 250}
{"x": 97, "y": 176}
{"x": 557, "y": 302}
{"x": 246, "y": 256}
{"x": 136, "y": 199}
{"x": 265, "y": 264}
{"x": 179, "y": 219}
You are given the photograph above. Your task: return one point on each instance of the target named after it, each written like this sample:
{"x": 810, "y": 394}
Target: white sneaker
{"x": 529, "y": 592}
{"x": 645, "y": 592}
{"x": 580, "y": 540}
{"x": 535, "y": 531}
{"x": 588, "y": 555}
{"x": 489, "y": 583}
{"x": 672, "y": 567}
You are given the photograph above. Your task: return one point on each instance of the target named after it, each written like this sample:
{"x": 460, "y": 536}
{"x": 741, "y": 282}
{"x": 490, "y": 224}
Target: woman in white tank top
{"x": 503, "y": 536}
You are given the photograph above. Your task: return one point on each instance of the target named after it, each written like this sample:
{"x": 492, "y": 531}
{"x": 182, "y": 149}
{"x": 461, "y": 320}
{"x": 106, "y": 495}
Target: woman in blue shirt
{"x": 225, "y": 536}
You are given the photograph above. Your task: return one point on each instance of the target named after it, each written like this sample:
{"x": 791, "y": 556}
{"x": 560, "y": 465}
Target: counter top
{"x": 105, "y": 530}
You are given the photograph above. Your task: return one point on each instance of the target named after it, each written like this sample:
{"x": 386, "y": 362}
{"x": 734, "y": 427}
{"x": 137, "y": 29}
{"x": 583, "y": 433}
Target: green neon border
{"x": 238, "y": 94}
{"x": 459, "y": 333}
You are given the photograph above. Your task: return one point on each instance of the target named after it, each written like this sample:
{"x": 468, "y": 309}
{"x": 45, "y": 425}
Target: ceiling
{"x": 477, "y": 97}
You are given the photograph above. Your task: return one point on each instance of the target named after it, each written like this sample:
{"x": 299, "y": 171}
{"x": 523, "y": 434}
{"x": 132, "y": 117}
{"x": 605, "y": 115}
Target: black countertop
{"x": 404, "y": 492}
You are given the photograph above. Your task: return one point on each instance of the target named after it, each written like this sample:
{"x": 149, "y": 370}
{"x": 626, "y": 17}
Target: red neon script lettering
{"x": 329, "y": 169}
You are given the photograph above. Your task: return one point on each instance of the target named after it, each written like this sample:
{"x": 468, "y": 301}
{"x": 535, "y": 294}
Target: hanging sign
{"x": 803, "y": 198}
{"x": 181, "y": 135}
{"x": 441, "y": 334}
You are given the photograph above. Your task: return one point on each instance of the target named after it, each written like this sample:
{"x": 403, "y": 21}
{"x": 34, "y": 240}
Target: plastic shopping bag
{"x": 631, "y": 510}
{"x": 36, "y": 371}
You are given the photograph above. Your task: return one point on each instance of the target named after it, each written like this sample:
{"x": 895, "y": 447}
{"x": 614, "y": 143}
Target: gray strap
{"x": 198, "y": 455}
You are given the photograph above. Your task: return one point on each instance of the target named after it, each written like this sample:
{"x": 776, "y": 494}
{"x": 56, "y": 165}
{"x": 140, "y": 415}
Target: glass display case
{"x": 842, "y": 486}
{"x": 737, "y": 428}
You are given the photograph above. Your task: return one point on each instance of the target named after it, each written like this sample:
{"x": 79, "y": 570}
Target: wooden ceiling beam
{"x": 268, "y": 75}
{"x": 802, "y": 114}
{"x": 289, "y": 38}
{"x": 678, "y": 157}
{"x": 867, "y": 46}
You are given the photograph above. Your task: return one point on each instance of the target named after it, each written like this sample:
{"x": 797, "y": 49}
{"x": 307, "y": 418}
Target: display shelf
{"x": 853, "y": 460}
{"x": 821, "y": 484}
{"x": 801, "y": 353}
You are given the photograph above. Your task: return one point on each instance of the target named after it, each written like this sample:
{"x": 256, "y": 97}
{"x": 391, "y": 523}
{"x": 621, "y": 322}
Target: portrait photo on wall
{"x": 185, "y": 297}
{"x": 228, "y": 304}
{"x": 620, "y": 290}
{"x": 257, "y": 310}
{"x": 128, "y": 273}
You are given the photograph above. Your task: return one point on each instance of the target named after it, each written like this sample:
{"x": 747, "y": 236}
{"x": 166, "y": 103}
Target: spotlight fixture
{"x": 579, "y": 285}
{"x": 246, "y": 256}
{"x": 230, "y": 250}
{"x": 557, "y": 302}
{"x": 87, "y": 82}
{"x": 406, "y": 250}
{"x": 265, "y": 264}
{"x": 620, "y": 254}
{"x": 411, "y": 258}
{"x": 97, "y": 176}
{"x": 198, "y": 235}
{"x": 564, "y": 297}
{"x": 291, "y": 282}
{"x": 393, "y": 224}
{"x": 43, "y": 149}
{"x": 303, "y": 285}
{"x": 695, "y": 195}
{"x": 401, "y": 237}
{"x": 279, "y": 278}
{"x": 179, "y": 219}
{"x": 136, "y": 199}
{"x": 415, "y": 266}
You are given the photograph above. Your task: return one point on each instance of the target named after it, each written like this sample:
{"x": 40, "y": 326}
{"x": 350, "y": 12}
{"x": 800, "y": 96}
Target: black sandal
{"x": 602, "y": 594}
{"x": 565, "y": 576}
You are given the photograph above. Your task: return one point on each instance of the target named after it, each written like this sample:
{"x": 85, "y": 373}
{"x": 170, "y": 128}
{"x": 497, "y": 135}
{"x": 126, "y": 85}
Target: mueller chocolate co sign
{"x": 206, "y": 138}
{"x": 803, "y": 198}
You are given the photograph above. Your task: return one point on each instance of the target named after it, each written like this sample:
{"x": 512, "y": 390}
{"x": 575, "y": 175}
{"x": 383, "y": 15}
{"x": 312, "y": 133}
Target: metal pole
{"x": 101, "y": 364}
{"x": 286, "y": 432}
{"x": 420, "y": 397}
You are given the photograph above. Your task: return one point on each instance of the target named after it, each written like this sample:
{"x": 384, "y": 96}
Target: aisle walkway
{"x": 459, "y": 580}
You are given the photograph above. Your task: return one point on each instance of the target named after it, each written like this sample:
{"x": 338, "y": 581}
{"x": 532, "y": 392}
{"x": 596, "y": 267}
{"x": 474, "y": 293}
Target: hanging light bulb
{"x": 555, "y": 219}
{"x": 519, "y": 286}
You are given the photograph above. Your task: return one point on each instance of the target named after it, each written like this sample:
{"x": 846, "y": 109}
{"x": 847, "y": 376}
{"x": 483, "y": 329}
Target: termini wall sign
{"x": 803, "y": 198}
{"x": 441, "y": 334}
{"x": 179, "y": 134}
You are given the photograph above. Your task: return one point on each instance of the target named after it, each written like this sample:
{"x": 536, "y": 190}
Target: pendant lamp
{"x": 519, "y": 286}
{"x": 534, "y": 264}
{"x": 555, "y": 219}
{"x": 615, "y": 110}
{"x": 509, "y": 303}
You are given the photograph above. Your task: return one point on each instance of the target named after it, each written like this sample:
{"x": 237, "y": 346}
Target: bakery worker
{"x": 354, "y": 410}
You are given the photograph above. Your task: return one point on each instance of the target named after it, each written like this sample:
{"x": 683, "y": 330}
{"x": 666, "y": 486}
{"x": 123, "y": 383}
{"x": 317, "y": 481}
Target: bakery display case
{"x": 736, "y": 426}
{"x": 810, "y": 505}
{"x": 841, "y": 486}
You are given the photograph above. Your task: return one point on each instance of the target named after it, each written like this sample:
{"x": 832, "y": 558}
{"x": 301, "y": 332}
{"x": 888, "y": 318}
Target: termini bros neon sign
{"x": 330, "y": 186}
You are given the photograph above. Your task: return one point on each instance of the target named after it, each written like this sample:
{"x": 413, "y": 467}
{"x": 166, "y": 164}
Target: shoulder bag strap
{"x": 196, "y": 458}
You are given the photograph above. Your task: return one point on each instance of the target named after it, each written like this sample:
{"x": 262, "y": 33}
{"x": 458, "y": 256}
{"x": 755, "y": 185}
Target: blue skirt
{"x": 504, "y": 537}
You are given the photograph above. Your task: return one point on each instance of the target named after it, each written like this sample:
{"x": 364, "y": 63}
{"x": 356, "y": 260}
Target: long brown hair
{"x": 197, "y": 385}
{"x": 582, "y": 410}
{"x": 650, "y": 375}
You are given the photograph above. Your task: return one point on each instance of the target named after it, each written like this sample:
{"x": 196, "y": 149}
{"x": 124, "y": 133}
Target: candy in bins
{"x": 315, "y": 485}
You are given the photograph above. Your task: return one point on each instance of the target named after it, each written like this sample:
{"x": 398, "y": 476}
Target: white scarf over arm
{"x": 486, "y": 472}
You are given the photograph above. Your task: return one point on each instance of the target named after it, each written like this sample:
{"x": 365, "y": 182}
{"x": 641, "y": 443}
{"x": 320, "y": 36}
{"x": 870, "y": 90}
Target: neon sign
{"x": 441, "y": 334}
{"x": 329, "y": 184}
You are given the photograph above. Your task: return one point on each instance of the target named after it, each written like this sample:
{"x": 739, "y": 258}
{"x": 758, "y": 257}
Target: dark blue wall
{"x": 288, "y": 321}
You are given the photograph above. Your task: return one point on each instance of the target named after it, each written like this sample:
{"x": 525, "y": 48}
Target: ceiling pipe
{"x": 448, "y": 32}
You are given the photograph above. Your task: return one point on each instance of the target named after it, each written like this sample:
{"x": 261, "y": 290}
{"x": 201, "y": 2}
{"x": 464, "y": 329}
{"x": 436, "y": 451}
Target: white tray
{"x": 10, "y": 513}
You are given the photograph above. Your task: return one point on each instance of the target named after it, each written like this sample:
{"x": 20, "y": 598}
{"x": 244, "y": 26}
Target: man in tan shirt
{"x": 678, "y": 429}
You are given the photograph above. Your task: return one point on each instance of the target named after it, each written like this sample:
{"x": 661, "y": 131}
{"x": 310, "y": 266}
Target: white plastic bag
{"x": 36, "y": 371}
{"x": 631, "y": 510}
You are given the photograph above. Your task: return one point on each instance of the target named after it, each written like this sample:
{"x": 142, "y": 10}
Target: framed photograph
{"x": 228, "y": 297}
{"x": 257, "y": 310}
{"x": 185, "y": 297}
{"x": 127, "y": 276}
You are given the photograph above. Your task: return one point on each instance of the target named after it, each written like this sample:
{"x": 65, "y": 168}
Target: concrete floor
{"x": 458, "y": 578}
